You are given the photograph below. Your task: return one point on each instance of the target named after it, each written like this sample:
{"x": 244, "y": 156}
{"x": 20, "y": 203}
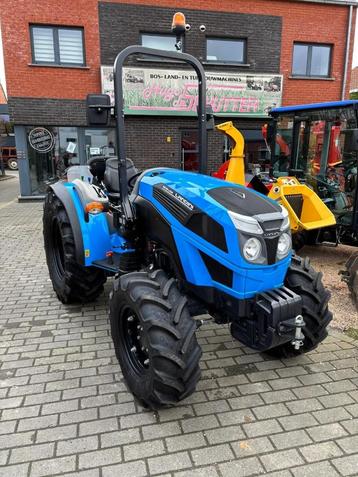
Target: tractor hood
{"x": 236, "y": 231}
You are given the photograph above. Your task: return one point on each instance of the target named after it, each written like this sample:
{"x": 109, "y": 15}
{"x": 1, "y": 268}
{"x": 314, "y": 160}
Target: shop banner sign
{"x": 174, "y": 92}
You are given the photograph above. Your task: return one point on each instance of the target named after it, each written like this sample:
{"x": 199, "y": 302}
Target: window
{"x": 311, "y": 60}
{"x": 159, "y": 42}
{"x": 225, "y": 50}
{"x": 57, "y": 45}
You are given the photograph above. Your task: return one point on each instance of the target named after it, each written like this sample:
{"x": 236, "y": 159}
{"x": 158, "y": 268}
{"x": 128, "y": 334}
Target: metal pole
{"x": 348, "y": 43}
{"x": 119, "y": 111}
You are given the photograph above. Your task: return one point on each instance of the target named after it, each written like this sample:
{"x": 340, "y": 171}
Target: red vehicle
{"x": 9, "y": 157}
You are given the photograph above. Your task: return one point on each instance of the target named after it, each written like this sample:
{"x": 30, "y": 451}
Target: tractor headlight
{"x": 284, "y": 245}
{"x": 246, "y": 224}
{"x": 252, "y": 249}
{"x": 286, "y": 220}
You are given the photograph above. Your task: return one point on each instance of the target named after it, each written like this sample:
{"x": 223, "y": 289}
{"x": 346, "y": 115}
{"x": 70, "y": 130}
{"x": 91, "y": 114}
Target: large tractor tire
{"x": 306, "y": 282}
{"x": 154, "y": 338}
{"x": 71, "y": 281}
{"x": 351, "y": 276}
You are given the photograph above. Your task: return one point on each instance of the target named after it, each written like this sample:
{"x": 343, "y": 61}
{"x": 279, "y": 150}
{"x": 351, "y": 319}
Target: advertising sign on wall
{"x": 41, "y": 139}
{"x": 174, "y": 92}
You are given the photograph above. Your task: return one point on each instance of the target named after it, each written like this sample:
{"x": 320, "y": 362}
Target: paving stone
{"x": 236, "y": 417}
{"x": 29, "y": 453}
{"x": 304, "y": 405}
{"x": 319, "y": 469}
{"x": 161, "y": 430}
{"x": 284, "y": 383}
{"x": 4, "y": 454}
{"x": 58, "y": 407}
{"x": 41, "y": 422}
{"x": 262, "y": 428}
{"x": 187, "y": 441}
{"x": 202, "y": 472}
{"x": 211, "y": 407}
{"x": 78, "y": 416}
{"x": 347, "y": 465}
{"x": 329, "y": 415}
{"x": 137, "y": 420}
{"x": 278, "y": 396}
{"x": 169, "y": 463}
{"x": 212, "y": 454}
{"x": 247, "y": 447}
{"x": 298, "y": 421}
{"x": 326, "y": 432}
{"x": 246, "y": 401}
{"x": 224, "y": 434}
{"x": 143, "y": 449}
{"x": 56, "y": 433}
{"x": 17, "y": 470}
{"x": 130, "y": 469}
{"x": 100, "y": 458}
{"x": 291, "y": 439}
{"x": 51, "y": 467}
{"x": 270, "y": 411}
{"x": 175, "y": 413}
{"x": 349, "y": 444}
{"x": 76, "y": 446}
{"x": 241, "y": 468}
{"x": 324, "y": 450}
{"x": 281, "y": 460}
{"x": 336, "y": 400}
{"x": 199, "y": 423}
{"x": 20, "y": 413}
{"x": 351, "y": 426}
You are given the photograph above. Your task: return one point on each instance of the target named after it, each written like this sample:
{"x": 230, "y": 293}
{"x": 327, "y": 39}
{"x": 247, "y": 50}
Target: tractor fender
{"x": 62, "y": 193}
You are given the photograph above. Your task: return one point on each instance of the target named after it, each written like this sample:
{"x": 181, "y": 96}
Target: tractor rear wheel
{"x": 154, "y": 338}
{"x": 71, "y": 281}
{"x": 306, "y": 282}
{"x": 351, "y": 276}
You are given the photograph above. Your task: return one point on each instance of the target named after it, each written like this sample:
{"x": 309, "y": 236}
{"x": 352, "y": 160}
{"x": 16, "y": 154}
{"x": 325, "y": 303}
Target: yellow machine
{"x": 306, "y": 210}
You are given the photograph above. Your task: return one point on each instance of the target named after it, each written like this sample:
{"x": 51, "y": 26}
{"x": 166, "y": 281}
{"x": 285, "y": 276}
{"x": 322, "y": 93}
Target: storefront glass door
{"x": 50, "y": 151}
{"x": 189, "y": 150}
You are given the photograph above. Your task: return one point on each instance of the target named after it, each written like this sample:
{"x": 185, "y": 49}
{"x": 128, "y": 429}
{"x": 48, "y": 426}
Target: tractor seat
{"x": 111, "y": 179}
{"x": 97, "y": 165}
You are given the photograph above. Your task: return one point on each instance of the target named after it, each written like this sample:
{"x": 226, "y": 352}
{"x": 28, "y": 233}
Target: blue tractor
{"x": 179, "y": 244}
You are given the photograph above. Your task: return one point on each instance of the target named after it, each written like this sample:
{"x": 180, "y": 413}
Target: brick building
{"x": 257, "y": 54}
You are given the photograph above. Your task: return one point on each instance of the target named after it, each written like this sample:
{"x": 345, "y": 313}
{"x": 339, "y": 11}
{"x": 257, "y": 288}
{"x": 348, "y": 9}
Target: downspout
{"x": 348, "y": 44}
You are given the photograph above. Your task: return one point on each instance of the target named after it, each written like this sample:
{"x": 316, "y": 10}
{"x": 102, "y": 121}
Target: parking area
{"x": 65, "y": 408}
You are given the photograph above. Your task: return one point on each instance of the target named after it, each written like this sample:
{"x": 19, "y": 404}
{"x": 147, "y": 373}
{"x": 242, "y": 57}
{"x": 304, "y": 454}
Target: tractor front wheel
{"x": 154, "y": 338}
{"x": 306, "y": 282}
{"x": 71, "y": 281}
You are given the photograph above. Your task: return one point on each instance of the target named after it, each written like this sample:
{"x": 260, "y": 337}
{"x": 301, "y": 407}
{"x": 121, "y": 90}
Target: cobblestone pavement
{"x": 65, "y": 408}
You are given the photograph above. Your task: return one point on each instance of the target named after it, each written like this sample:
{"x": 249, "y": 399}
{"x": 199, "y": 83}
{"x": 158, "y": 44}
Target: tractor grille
{"x": 296, "y": 202}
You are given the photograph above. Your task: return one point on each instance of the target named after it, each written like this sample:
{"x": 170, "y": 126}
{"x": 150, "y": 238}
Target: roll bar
{"x": 119, "y": 111}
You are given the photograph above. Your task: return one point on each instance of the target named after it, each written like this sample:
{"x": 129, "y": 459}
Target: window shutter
{"x": 43, "y": 45}
{"x": 70, "y": 46}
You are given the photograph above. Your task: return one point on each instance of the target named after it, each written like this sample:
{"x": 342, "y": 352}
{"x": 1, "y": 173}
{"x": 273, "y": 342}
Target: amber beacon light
{"x": 178, "y": 23}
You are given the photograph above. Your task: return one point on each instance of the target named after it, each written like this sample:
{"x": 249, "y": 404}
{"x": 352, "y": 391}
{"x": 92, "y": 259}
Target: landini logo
{"x": 178, "y": 197}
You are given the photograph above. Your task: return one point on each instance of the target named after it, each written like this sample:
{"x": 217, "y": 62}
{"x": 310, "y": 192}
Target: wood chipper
{"x": 307, "y": 212}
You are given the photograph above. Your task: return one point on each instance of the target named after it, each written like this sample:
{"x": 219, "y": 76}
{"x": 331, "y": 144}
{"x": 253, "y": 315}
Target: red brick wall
{"x": 301, "y": 21}
{"x": 43, "y": 81}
